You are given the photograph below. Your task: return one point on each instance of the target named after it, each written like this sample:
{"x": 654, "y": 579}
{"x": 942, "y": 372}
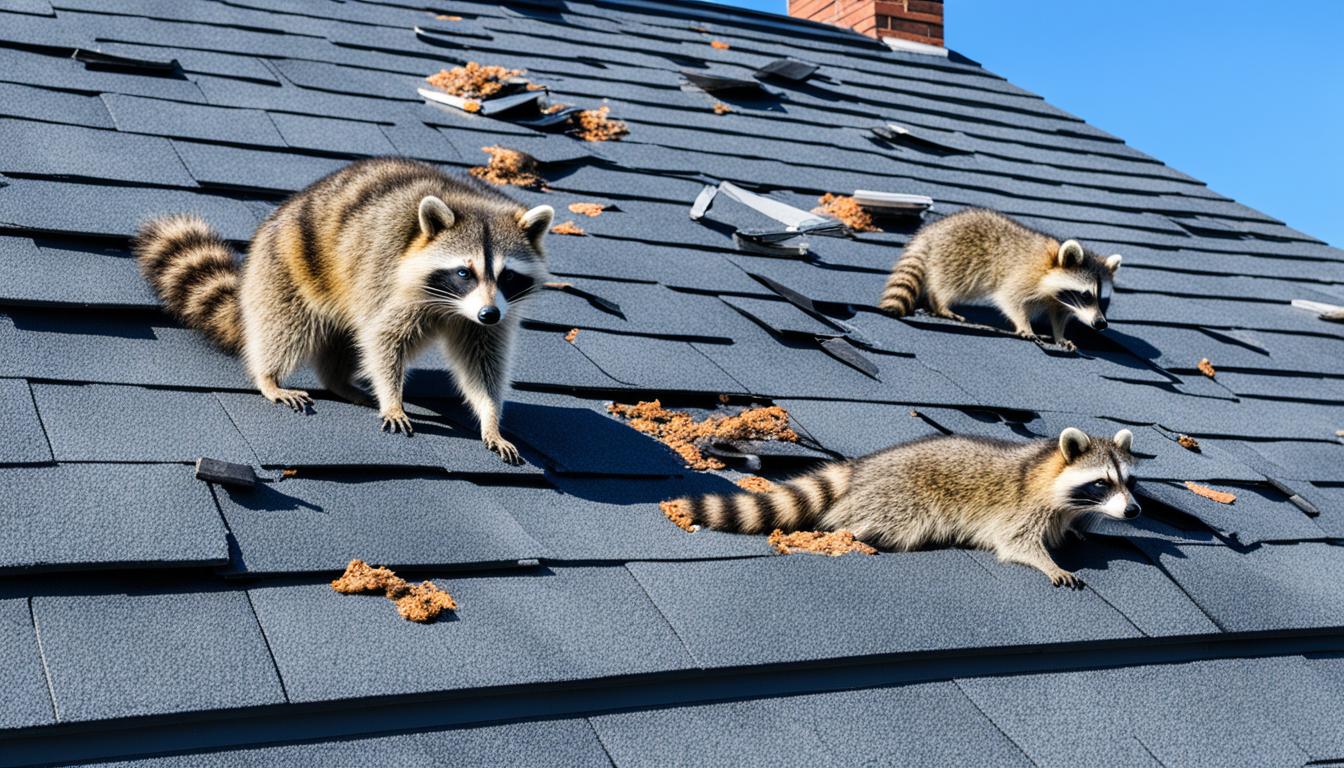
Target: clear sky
{"x": 1244, "y": 95}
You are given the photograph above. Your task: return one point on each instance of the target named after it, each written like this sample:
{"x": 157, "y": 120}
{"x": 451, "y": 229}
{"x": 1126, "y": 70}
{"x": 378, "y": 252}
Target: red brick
{"x": 920, "y": 20}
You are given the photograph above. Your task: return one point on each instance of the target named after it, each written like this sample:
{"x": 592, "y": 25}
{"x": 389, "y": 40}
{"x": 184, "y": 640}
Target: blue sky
{"x": 1245, "y": 96}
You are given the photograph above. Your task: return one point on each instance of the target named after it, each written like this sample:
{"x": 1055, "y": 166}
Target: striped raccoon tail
{"x": 799, "y": 504}
{"x": 195, "y": 273}
{"x": 905, "y": 284}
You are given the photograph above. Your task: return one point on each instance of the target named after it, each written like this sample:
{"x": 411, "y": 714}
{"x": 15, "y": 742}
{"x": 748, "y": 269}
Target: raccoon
{"x": 1011, "y": 498}
{"x": 977, "y": 254}
{"x": 357, "y": 273}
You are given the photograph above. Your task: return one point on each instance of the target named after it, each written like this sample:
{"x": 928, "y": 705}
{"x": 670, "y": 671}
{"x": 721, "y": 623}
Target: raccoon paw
{"x": 504, "y": 448}
{"x": 1066, "y": 579}
{"x": 397, "y": 421}
{"x": 1066, "y": 345}
{"x": 295, "y": 399}
{"x": 1029, "y": 336}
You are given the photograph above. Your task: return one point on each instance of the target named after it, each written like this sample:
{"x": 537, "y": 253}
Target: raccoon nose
{"x": 488, "y": 315}
{"x": 1100, "y": 323}
{"x": 1132, "y": 510}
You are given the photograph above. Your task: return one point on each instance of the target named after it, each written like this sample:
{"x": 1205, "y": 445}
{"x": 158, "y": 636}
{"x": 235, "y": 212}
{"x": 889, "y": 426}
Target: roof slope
{"x": 146, "y": 615}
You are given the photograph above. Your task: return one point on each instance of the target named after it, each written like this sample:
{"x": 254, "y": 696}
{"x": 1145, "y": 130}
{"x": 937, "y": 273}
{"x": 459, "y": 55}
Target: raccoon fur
{"x": 357, "y": 273}
{"x": 980, "y": 254}
{"x": 1011, "y": 498}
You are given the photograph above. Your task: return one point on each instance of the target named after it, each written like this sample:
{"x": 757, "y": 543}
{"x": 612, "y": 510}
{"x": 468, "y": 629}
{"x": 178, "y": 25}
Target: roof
{"x": 150, "y": 617}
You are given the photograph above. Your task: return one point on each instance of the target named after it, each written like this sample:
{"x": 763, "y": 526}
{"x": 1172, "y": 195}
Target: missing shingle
{"x": 567, "y": 228}
{"x": 509, "y": 166}
{"x": 688, "y": 437}
{"x": 847, "y": 211}
{"x": 788, "y": 69}
{"x": 420, "y": 603}
{"x": 831, "y": 543}
{"x": 597, "y": 125}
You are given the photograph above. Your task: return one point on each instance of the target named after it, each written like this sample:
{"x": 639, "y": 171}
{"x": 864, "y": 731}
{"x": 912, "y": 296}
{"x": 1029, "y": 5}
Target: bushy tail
{"x": 195, "y": 273}
{"x": 901, "y": 294}
{"x": 796, "y": 505}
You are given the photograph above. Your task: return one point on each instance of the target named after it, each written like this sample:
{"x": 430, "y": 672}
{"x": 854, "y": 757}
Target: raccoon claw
{"x": 1029, "y": 336}
{"x": 1066, "y": 345}
{"x": 1066, "y": 579}
{"x": 504, "y": 448}
{"x": 294, "y": 399}
{"x": 397, "y": 422}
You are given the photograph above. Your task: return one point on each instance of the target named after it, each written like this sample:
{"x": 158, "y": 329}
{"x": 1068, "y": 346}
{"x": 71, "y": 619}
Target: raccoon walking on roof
{"x": 981, "y": 254}
{"x": 357, "y": 273}
{"x": 1011, "y": 498}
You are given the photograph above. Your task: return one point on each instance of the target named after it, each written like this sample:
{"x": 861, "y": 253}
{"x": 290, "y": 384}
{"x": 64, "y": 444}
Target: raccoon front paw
{"x": 1028, "y": 335}
{"x": 295, "y": 399}
{"x": 504, "y": 448}
{"x": 1066, "y": 345}
{"x": 1066, "y": 579}
{"x": 397, "y": 421}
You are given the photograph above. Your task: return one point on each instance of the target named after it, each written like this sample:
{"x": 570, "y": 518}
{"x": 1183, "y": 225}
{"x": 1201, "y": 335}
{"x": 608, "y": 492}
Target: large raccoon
{"x": 978, "y": 254}
{"x": 357, "y": 273}
{"x": 1014, "y": 499}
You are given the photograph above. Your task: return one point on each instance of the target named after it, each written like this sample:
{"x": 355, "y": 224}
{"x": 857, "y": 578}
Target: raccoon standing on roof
{"x": 1014, "y": 499}
{"x": 977, "y": 254}
{"x": 357, "y": 273}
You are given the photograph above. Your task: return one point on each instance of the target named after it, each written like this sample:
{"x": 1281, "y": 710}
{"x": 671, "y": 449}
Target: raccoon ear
{"x": 1073, "y": 442}
{"x": 537, "y": 222}
{"x": 1070, "y": 254}
{"x": 1124, "y": 440}
{"x": 1113, "y": 262}
{"x": 435, "y": 216}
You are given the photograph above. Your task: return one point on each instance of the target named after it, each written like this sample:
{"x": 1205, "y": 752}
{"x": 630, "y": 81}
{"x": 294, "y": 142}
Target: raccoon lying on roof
{"x": 1014, "y": 499}
{"x": 357, "y": 273}
{"x": 977, "y": 254}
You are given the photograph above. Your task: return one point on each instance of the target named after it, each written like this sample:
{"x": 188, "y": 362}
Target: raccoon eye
{"x": 462, "y": 272}
{"x": 1099, "y": 484}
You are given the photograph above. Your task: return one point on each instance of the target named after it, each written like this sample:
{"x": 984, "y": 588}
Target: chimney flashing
{"x": 912, "y": 46}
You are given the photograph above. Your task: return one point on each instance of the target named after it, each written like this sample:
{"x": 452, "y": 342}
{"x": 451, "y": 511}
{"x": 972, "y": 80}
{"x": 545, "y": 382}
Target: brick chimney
{"x": 920, "y": 21}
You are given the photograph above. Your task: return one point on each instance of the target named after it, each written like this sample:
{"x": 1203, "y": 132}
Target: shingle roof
{"x": 152, "y": 617}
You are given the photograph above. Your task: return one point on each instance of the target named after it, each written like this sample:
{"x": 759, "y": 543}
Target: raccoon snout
{"x": 488, "y": 315}
{"x": 1132, "y": 510}
{"x": 1099, "y": 324}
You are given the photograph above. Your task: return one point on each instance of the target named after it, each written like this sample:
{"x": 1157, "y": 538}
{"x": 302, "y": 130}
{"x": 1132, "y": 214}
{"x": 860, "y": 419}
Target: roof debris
{"x": 679, "y": 431}
{"x": 594, "y": 125}
{"x": 509, "y": 166}
{"x": 849, "y": 212}
{"x": 832, "y": 543}
{"x": 754, "y": 484}
{"x": 567, "y": 228}
{"x": 591, "y": 210}
{"x": 719, "y": 44}
{"x": 421, "y": 602}
{"x": 572, "y": 335}
{"x": 447, "y": 17}
{"x": 721, "y": 109}
{"x": 554, "y": 107}
{"x": 1189, "y": 443}
{"x": 1206, "y": 368}
{"x": 678, "y": 511}
{"x": 1222, "y": 497}
{"x": 473, "y": 80}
